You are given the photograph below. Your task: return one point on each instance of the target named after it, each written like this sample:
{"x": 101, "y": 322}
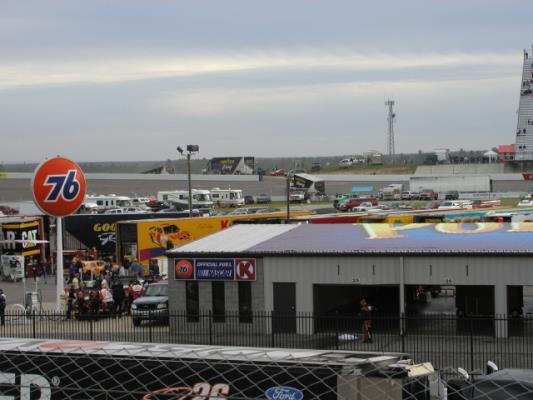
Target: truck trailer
{"x": 62, "y": 370}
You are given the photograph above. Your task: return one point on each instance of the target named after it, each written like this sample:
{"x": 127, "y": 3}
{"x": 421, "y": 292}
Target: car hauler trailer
{"x": 59, "y": 370}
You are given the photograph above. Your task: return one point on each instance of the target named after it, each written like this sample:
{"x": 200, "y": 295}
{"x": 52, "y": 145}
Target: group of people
{"x": 110, "y": 299}
{"x": 106, "y": 294}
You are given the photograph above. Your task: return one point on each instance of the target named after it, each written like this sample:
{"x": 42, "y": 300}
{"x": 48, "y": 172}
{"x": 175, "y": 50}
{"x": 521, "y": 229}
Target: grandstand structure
{"x": 524, "y": 129}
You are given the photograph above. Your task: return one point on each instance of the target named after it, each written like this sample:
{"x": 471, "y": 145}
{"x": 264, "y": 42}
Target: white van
{"x": 227, "y": 197}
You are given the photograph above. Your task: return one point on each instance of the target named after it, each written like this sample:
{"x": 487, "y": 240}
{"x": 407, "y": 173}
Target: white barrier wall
{"x": 461, "y": 183}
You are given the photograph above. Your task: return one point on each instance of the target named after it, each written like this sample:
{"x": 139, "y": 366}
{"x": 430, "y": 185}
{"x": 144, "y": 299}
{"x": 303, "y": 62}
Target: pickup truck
{"x": 428, "y": 194}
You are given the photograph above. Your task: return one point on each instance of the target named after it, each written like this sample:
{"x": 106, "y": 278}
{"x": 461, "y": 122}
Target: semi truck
{"x": 62, "y": 370}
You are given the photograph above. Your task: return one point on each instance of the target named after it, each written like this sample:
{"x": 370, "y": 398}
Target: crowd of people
{"x": 108, "y": 289}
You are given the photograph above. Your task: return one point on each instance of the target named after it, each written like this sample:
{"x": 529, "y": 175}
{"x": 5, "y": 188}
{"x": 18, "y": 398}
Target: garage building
{"x": 325, "y": 269}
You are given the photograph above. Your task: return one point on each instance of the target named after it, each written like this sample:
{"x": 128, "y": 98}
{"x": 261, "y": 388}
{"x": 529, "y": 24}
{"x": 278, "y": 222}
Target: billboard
{"x": 24, "y": 231}
{"x": 231, "y": 166}
{"x": 99, "y": 230}
{"x": 215, "y": 269}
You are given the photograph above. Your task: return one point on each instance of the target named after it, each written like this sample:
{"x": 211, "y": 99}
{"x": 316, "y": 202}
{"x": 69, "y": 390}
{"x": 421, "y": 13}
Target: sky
{"x": 106, "y": 80}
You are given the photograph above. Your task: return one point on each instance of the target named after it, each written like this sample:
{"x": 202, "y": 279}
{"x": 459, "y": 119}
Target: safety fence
{"x": 446, "y": 341}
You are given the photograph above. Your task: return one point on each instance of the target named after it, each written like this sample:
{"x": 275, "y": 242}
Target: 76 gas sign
{"x": 59, "y": 187}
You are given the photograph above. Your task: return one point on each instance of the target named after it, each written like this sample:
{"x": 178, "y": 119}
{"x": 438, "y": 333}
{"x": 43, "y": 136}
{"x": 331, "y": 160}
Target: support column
{"x": 500, "y": 310}
{"x": 402, "y": 293}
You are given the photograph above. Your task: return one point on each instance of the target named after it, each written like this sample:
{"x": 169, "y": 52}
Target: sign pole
{"x": 59, "y": 262}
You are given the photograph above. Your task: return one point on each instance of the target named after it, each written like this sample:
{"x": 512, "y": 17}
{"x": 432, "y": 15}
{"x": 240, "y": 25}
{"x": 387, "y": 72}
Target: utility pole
{"x": 390, "y": 120}
{"x": 191, "y": 148}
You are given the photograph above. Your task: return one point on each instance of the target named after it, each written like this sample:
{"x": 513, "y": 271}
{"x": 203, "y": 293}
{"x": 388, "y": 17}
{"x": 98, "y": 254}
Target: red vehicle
{"x": 278, "y": 172}
{"x": 351, "y": 203}
{"x": 428, "y": 194}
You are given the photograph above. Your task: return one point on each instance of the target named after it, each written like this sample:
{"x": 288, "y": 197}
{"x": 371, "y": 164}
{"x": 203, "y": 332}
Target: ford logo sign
{"x": 284, "y": 393}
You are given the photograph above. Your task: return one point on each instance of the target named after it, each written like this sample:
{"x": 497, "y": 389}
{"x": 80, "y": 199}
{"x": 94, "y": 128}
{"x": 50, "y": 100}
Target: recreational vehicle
{"x": 201, "y": 199}
{"x": 227, "y": 197}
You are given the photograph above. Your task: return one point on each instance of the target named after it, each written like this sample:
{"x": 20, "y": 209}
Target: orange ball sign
{"x": 58, "y": 187}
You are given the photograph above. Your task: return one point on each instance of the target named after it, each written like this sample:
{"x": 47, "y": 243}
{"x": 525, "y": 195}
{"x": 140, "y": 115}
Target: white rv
{"x": 227, "y": 197}
{"x": 104, "y": 202}
{"x": 180, "y": 198}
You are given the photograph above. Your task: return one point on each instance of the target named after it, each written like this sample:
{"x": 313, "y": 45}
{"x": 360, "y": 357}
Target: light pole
{"x": 191, "y": 148}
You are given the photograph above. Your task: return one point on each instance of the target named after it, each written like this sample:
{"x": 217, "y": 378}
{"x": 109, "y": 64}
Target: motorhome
{"x": 227, "y": 197}
{"x": 104, "y": 202}
{"x": 391, "y": 192}
{"x": 201, "y": 199}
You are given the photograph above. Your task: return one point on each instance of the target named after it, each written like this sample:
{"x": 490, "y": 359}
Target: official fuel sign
{"x": 215, "y": 269}
{"x": 58, "y": 187}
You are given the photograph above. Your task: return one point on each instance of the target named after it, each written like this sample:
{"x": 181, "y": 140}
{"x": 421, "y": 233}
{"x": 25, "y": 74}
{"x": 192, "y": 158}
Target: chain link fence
{"x": 45, "y": 370}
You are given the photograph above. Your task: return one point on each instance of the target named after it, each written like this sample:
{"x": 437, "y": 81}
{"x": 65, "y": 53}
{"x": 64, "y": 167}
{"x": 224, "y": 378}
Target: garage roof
{"x": 235, "y": 239}
{"x": 446, "y": 238}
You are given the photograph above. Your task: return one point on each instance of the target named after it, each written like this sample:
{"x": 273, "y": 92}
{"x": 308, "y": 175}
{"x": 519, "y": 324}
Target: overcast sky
{"x": 132, "y": 80}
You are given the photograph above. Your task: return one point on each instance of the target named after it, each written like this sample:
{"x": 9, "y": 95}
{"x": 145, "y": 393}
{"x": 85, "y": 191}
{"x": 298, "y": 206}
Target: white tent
{"x": 491, "y": 155}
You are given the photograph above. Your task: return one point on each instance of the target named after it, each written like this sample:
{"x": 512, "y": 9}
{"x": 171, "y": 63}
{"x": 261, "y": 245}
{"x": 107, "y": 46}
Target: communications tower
{"x": 390, "y": 119}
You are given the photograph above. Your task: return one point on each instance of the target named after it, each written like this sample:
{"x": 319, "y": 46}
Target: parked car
{"x": 152, "y": 305}
{"x": 8, "y": 210}
{"x": 409, "y": 195}
{"x": 451, "y": 195}
{"x": 297, "y": 197}
{"x": 262, "y": 198}
{"x": 249, "y": 199}
{"x": 495, "y": 384}
{"x": 364, "y": 207}
{"x": 428, "y": 194}
{"x": 350, "y": 204}
{"x": 278, "y": 172}
{"x": 345, "y": 163}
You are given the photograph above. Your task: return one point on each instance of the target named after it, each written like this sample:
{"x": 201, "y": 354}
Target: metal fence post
{"x": 34, "y": 328}
{"x": 210, "y": 317}
{"x": 272, "y": 339}
{"x": 471, "y": 345}
{"x": 150, "y": 323}
{"x": 91, "y": 328}
{"x": 337, "y": 330}
{"x": 402, "y": 330}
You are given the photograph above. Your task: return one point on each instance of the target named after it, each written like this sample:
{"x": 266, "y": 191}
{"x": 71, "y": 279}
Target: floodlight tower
{"x": 390, "y": 119}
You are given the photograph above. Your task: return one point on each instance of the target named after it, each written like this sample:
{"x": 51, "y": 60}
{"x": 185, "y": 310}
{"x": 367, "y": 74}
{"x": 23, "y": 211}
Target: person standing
{"x": 364, "y": 313}
{"x": 3, "y": 301}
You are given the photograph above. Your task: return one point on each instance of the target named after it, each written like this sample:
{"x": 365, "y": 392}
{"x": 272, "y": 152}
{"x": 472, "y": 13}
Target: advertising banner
{"x": 99, "y": 230}
{"x": 215, "y": 269}
{"x": 231, "y": 165}
{"x": 24, "y": 231}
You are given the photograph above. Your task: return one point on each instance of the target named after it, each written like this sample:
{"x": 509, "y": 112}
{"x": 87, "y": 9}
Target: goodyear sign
{"x": 27, "y": 231}
{"x": 99, "y": 230}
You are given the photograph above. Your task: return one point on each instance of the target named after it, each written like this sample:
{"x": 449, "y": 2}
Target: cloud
{"x": 102, "y": 69}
